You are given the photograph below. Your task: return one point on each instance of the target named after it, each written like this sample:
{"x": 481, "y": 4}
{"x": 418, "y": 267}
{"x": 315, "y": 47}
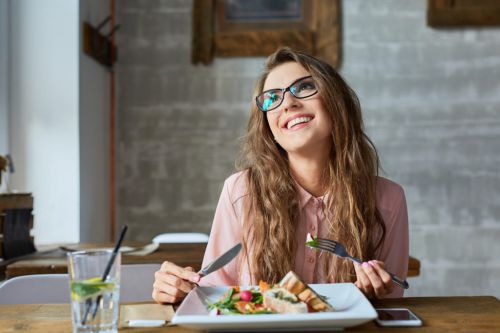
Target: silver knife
{"x": 221, "y": 261}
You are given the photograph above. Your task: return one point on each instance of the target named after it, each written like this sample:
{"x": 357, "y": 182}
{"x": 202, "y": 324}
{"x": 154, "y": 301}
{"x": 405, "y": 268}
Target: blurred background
{"x": 149, "y": 142}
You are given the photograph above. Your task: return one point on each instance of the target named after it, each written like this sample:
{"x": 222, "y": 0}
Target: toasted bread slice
{"x": 281, "y": 300}
{"x": 293, "y": 284}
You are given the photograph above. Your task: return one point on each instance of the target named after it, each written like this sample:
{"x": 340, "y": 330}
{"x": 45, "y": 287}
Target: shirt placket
{"x": 313, "y": 227}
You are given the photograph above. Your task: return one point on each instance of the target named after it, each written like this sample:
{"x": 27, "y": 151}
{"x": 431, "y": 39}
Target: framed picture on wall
{"x": 235, "y": 28}
{"x": 240, "y": 15}
{"x": 459, "y": 13}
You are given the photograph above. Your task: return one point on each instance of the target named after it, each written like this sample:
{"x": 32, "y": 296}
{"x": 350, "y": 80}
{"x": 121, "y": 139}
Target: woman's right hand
{"x": 172, "y": 282}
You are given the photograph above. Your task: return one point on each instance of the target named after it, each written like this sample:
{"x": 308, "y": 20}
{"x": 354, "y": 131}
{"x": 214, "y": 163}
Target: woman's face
{"x": 300, "y": 126}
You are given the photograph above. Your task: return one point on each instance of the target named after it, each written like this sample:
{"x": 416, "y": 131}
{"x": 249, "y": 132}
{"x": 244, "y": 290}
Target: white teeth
{"x": 298, "y": 121}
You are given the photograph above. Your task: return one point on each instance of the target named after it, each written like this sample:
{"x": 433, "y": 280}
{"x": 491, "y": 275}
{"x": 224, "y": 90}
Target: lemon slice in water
{"x": 90, "y": 287}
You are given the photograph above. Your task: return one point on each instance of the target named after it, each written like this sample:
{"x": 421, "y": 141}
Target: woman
{"x": 307, "y": 166}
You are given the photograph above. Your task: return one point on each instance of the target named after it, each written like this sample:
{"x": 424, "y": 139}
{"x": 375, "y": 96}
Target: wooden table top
{"x": 438, "y": 314}
{"x": 183, "y": 254}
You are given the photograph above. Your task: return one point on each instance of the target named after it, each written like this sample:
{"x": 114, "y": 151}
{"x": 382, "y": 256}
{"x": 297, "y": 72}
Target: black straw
{"x": 105, "y": 275}
{"x": 113, "y": 255}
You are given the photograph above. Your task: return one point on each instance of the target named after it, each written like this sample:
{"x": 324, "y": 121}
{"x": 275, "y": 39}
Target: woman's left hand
{"x": 372, "y": 279}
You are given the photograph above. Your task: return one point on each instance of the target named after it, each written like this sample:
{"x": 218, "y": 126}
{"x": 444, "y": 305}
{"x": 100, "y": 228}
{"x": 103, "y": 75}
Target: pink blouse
{"x": 227, "y": 231}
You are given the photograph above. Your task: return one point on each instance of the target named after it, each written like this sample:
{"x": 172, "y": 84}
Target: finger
{"x": 194, "y": 278}
{"x": 184, "y": 273}
{"x": 375, "y": 280}
{"x": 364, "y": 282}
{"x": 160, "y": 298}
{"x": 164, "y": 293}
{"x": 379, "y": 263}
{"x": 173, "y": 281}
{"x": 163, "y": 298}
{"x": 379, "y": 267}
{"x": 361, "y": 275}
{"x": 161, "y": 276}
{"x": 169, "y": 289}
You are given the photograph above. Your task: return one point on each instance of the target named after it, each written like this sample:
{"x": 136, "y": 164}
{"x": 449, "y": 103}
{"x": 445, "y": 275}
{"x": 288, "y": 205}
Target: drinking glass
{"x": 94, "y": 302}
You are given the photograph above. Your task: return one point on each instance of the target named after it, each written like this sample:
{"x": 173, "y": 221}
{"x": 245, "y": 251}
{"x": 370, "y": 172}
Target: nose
{"x": 290, "y": 102}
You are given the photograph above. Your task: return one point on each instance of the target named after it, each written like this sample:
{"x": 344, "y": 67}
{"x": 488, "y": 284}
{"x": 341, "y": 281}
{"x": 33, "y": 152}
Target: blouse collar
{"x": 305, "y": 197}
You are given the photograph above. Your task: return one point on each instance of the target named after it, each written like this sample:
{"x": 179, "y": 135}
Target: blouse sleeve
{"x": 225, "y": 233}
{"x": 395, "y": 251}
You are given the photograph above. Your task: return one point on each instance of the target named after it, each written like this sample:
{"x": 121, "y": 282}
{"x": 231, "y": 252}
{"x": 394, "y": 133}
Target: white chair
{"x": 34, "y": 289}
{"x": 137, "y": 282}
{"x": 136, "y": 285}
{"x": 181, "y": 237}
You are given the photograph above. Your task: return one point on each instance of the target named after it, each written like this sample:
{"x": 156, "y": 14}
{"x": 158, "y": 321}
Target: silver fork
{"x": 339, "y": 250}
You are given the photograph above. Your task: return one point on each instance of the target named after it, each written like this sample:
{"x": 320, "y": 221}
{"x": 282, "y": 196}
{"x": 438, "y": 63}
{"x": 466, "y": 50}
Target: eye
{"x": 306, "y": 85}
{"x": 304, "y": 88}
{"x": 271, "y": 96}
{"x": 269, "y": 99}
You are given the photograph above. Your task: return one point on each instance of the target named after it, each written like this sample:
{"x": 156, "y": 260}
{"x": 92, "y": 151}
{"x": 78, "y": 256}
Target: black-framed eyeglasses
{"x": 272, "y": 98}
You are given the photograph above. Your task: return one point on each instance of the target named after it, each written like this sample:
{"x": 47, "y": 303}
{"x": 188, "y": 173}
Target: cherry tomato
{"x": 246, "y": 295}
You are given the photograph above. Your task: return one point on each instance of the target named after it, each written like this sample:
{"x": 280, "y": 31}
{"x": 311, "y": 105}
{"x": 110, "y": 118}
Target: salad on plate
{"x": 290, "y": 295}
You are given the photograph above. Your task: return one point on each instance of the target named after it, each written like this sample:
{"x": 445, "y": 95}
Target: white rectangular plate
{"x": 351, "y": 309}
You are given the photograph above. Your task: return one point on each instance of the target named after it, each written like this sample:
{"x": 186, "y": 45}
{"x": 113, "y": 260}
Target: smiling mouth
{"x": 296, "y": 121}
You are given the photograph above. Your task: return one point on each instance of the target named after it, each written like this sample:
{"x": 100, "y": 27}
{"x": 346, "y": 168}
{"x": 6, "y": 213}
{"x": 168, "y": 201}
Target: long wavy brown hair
{"x": 272, "y": 206}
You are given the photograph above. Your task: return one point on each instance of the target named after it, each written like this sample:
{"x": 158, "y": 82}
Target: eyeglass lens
{"x": 273, "y": 98}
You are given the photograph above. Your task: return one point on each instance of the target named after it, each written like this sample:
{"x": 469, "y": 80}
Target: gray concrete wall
{"x": 178, "y": 124}
{"x": 431, "y": 101}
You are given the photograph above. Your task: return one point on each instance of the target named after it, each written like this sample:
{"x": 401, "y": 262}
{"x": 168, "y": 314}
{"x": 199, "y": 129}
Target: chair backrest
{"x": 136, "y": 285}
{"x": 137, "y": 282}
{"x": 181, "y": 237}
{"x": 33, "y": 289}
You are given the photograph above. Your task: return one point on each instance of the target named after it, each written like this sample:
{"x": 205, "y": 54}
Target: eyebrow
{"x": 291, "y": 84}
